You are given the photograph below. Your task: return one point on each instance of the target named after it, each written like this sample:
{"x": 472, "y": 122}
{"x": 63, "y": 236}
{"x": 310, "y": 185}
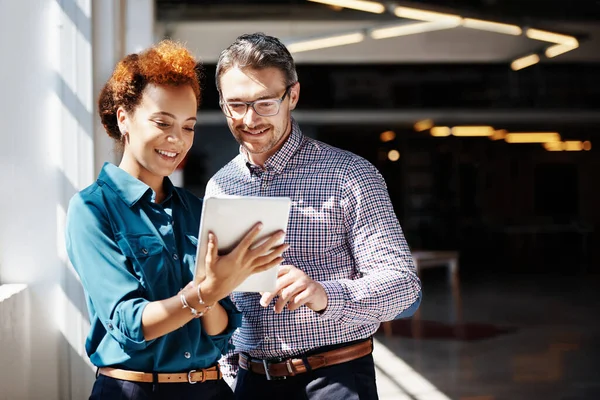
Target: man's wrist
{"x": 321, "y": 308}
{"x": 335, "y": 300}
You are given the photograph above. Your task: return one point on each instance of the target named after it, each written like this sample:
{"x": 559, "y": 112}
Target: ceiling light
{"x": 498, "y": 135}
{"x": 411, "y": 29}
{"x": 325, "y": 42}
{"x": 568, "y": 145}
{"x": 534, "y": 137}
{"x": 559, "y": 49}
{"x": 440, "y": 131}
{"x": 473, "y": 131}
{"x": 573, "y": 145}
{"x": 551, "y": 37}
{"x": 387, "y": 136}
{"x": 525, "y": 62}
{"x": 393, "y": 155}
{"x": 361, "y": 5}
{"x": 491, "y": 26}
{"x": 423, "y": 125}
{"x": 553, "y": 146}
{"x": 423, "y": 15}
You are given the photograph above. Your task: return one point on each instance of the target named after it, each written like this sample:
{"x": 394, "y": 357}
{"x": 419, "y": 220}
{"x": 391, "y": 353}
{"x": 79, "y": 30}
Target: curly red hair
{"x": 167, "y": 63}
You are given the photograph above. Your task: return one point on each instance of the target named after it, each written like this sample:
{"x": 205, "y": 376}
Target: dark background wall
{"x": 505, "y": 207}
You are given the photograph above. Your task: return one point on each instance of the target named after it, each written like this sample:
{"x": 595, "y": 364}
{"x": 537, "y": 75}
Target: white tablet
{"x": 230, "y": 218}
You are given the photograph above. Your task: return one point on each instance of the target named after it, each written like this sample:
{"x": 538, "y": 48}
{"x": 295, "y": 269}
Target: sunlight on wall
{"x": 71, "y": 103}
{"x": 10, "y": 290}
{"x": 71, "y": 144}
{"x": 72, "y": 324}
{"x": 76, "y": 75}
{"x": 85, "y": 6}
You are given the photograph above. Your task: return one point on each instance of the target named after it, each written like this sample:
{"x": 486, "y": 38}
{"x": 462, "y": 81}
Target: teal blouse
{"x": 129, "y": 251}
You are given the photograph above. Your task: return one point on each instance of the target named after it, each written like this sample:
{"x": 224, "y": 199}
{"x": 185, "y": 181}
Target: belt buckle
{"x": 189, "y": 376}
{"x": 269, "y": 376}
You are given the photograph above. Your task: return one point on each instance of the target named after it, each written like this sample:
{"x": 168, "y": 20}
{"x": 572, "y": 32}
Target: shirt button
{"x": 265, "y": 185}
{"x": 175, "y": 257}
{"x": 145, "y": 250}
{"x": 267, "y": 338}
{"x": 110, "y": 327}
{"x": 187, "y": 354}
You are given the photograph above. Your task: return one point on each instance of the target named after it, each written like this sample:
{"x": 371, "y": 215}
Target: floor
{"x": 522, "y": 337}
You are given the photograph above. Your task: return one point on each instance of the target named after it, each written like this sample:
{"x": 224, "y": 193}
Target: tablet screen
{"x": 230, "y": 218}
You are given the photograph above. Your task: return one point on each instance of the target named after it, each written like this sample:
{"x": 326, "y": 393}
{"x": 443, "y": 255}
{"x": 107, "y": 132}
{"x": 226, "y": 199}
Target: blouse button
{"x": 175, "y": 257}
{"x": 187, "y": 354}
{"x": 145, "y": 250}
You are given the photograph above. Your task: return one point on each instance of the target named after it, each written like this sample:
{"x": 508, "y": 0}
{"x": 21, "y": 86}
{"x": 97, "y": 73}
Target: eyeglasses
{"x": 264, "y": 108}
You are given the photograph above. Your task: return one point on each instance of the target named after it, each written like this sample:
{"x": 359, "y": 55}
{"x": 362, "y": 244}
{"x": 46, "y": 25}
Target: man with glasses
{"x": 348, "y": 267}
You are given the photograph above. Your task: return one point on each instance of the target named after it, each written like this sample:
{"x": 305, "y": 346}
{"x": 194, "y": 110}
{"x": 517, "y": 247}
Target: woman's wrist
{"x": 203, "y": 303}
{"x": 198, "y": 296}
{"x": 196, "y": 312}
{"x": 207, "y": 292}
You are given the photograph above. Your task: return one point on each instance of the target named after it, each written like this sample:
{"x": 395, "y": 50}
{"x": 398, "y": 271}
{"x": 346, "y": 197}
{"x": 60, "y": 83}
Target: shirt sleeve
{"x": 211, "y": 188}
{"x": 222, "y": 340}
{"x": 113, "y": 292}
{"x": 387, "y": 281}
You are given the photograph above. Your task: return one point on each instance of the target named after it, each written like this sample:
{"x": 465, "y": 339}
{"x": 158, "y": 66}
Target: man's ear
{"x": 294, "y": 95}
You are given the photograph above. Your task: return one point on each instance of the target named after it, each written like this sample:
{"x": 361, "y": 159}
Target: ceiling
{"x": 209, "y": 26}
{"x": 579, "y": 10}
{"x": 208, "y": 38}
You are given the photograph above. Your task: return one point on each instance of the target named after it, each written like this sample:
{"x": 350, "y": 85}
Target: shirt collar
{"x": 280, "y": 159}
{"x": 171, "y": 190}
{"x": 131, "y": 189}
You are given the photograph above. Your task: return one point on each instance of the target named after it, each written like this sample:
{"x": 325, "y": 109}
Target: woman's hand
{"x": 225, "y": 273}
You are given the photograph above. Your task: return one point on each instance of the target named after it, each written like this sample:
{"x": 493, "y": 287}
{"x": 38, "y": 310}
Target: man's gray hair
{"x": 257, "y": 51}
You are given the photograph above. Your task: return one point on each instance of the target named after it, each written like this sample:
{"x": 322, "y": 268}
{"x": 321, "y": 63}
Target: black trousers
{"x": 106, "y": 388}
{"x": 353, "y": 380}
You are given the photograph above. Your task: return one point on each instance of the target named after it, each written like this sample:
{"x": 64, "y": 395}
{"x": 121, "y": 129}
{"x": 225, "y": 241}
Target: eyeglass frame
{"x": 251, "y": 104}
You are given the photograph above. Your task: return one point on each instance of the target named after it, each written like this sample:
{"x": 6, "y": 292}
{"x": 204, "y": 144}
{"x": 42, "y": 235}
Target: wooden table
{"x": 434, "y": 259}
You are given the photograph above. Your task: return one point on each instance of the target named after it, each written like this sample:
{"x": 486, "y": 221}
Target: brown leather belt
{"x": 193, "y": 376}
{"x": 295, "y": 366}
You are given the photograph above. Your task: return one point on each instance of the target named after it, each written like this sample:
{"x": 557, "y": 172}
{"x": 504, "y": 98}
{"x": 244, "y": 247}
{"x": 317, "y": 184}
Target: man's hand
{"x": 295, "y": 289}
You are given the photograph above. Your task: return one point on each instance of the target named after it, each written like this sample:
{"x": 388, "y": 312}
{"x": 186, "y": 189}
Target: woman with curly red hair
{"x": 132, "y": 237}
